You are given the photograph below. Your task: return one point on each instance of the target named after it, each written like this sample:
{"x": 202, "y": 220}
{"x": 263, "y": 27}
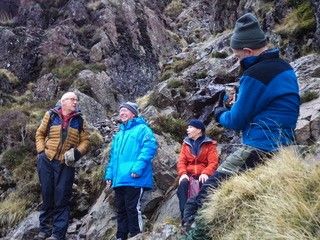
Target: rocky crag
{"x": 172, "y": 56}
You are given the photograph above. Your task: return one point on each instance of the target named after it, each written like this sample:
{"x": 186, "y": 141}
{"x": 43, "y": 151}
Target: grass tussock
{"x": 174, "y": 8}
{"x": 299, "y": 22}
{"x": 9, "y": 76}
{"x": 12, "y": 210}
{"x": 176, "y": 127}
{"x": 279, "y": 200}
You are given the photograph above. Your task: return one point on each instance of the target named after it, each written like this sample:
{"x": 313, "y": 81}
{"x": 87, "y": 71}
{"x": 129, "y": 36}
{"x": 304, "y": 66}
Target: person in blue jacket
{"x": 129, "y": 171}
{"x": 266, "y": 109}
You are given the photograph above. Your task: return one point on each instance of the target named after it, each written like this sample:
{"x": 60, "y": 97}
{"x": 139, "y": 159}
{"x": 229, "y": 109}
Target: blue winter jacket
{"x": 267, "y": 105}
{"x": 132, "y": 151}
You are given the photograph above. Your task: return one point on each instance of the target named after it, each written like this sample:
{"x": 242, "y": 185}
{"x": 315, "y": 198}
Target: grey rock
{"x": 46, "y": 87}
{"x": 101, "y": 86}
{"x": 92, "y": 110}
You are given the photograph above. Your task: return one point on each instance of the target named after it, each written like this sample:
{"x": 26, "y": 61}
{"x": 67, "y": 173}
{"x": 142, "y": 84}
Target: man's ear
{"x": 248, "y": 51}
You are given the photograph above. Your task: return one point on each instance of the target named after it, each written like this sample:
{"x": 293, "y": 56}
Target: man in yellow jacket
{"x": 61, "y": 139}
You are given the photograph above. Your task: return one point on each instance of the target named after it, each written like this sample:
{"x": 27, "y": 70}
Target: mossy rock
{"x": 174, "y": 8}
{"x": 299, "y": 22}
{"x": 8, "y": 80}
{"x": 96, "y": 140}
{"x": 69, "y": 69}
{"x": 176, "y": 127}
{"x": 308, "y": 96}
{"x": 200, "y": 75}
{"x": 175, "y": 83}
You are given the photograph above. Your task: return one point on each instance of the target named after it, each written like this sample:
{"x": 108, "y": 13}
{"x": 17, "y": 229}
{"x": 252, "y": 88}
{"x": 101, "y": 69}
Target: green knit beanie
{"x": 247, "y": 33}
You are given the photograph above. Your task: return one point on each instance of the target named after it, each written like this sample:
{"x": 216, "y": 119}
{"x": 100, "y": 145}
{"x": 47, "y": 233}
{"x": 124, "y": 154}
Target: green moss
{"x": 200, "y": 75}
{"x": 214, "y": 131}
{"x": 295, "y": 3}
{"x": 174, "y": 8}
{"x": 96, "y": 140}
{"x": 69, "y": 69}
{"x": 299, "y": 22}
{"x": 9, "y": 76}
{"x": 181, "y": 64}
{"x": 97, "y": 67}
{"x": 166, "y": 75}
{"x": 217, "y": 54}
{"x": 84, "y": 87}
{"x": 13, "y": 157}
{"x": 153, "y": 99}
{"x": 176, "y": 127}
{"x": 309, "y": 96}
{"x": 49, "y": 62}
{"x": 174, "y": 83}
{"x": 183, "y": 92}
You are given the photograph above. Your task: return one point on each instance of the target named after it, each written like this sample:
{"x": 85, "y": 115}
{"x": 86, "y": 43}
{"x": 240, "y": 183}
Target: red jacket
{"x": 206, "y": 162}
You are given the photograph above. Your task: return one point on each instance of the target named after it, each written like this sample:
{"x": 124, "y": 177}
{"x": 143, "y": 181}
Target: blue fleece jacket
{"x": 132, "y": 151}
{"x": 267, "y": 106}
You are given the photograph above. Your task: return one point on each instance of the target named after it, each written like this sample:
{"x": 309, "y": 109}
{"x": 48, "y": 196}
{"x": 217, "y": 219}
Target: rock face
{"x": 114, "y": 51}
{"x": 128, "y": 37}
{"x": 316, "y": 5}
{"x": 19, "y": 52}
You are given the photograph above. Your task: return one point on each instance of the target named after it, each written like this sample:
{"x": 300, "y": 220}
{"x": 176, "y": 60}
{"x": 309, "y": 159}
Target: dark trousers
{"x": 129, "y": 217}
{"x": 182, "y": 193}
{"x": 56, "y": 181}
{"x": 253, "y": 158}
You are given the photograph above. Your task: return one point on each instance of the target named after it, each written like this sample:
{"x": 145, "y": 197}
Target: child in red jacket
{"x": 198, "y": 159}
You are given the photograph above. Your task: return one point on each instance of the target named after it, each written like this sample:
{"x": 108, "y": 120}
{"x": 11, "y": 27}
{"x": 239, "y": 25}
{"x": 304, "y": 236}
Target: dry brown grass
{"x": 12, "y": 210}
{"x": 280, "y": 200}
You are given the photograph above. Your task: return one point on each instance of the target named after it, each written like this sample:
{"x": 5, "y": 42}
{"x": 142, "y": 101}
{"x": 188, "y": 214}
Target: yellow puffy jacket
{"x": 51, "y": 139}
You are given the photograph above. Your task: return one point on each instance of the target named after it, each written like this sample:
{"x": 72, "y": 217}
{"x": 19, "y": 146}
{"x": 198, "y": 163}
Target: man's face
{"x": 125, "y": 114}
{"x": 70, "y": 103}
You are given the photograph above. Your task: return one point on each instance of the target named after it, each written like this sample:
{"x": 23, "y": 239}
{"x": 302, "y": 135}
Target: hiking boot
{"x": 41, "y": 236}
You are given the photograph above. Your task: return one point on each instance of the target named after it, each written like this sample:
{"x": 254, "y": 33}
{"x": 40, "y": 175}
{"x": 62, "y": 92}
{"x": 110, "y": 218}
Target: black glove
{"x": 217, "y": 111}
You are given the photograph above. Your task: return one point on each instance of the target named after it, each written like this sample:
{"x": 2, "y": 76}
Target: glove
{"x": 69, "y": 157}
{"x": 203, "y": 177}
{"x": 218, "y": 111}
{"x": 183, "y": 176}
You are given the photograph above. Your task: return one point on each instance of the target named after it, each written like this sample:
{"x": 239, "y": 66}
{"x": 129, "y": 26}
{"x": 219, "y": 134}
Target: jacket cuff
{"x": 77, "y": 154}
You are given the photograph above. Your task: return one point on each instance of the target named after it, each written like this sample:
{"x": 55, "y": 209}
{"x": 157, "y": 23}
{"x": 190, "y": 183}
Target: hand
{"x": 69, "y": 158}
{"x": 203, "y": 177}
{"x": 217, "y": 111}
{"x": 183, "y": 176}
{"x": 134, "y": 175}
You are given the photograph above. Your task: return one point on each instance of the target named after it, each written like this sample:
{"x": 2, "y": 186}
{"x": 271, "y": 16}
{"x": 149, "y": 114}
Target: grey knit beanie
{"x": 131, "y": 106}
{"x": 247, "y": 33}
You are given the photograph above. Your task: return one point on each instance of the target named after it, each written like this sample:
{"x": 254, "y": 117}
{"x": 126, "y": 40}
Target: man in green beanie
{"x": 266, "y": 109}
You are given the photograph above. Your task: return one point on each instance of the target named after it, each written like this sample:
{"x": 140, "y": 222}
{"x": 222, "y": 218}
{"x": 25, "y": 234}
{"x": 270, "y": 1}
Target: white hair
{"x": 67, "y": 95}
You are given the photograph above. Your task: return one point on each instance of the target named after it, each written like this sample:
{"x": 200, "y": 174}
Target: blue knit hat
{"x": 131, "y": 106}
{"x": 197, "y": 124}
{"x": 247, "y": 33}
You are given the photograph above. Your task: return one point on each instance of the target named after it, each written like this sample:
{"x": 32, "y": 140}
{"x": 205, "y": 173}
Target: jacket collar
{"x": 268, "y": 54}
{"x": 188, "y": 140}
{"x": 132, "y": 122}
